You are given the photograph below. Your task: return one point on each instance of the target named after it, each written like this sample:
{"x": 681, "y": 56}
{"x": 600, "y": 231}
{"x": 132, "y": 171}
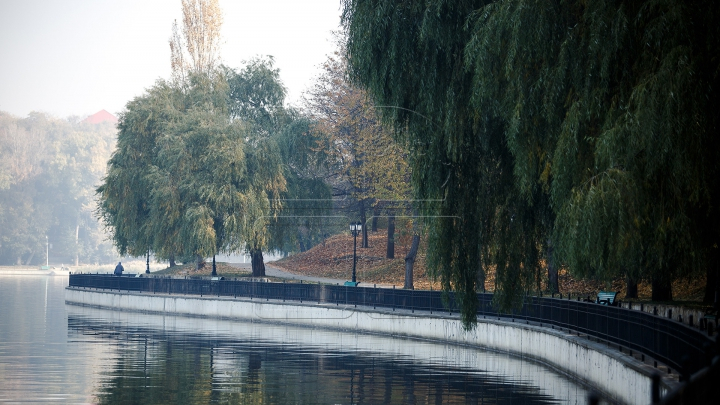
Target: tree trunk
{"x": 480, "y": 278}
{"x": 661, "y": 289}
{"x": 302, "y": 246}
{"x": 199, "y": 263}
{"x": 391, "y": 237}
{"x": 376, "y": 213}
{"x": 258, "y": 265}
{"x": 410, "y": 262}
{"x": 712, "y": 282}
{"x": 172, "y": 260}
{"x": 632, "y": 288}
{"x": 553, "y": 284}
{"x": 214, "y": 269}
{"x": 363, "y": 220}
{"x": 27, "y": 262}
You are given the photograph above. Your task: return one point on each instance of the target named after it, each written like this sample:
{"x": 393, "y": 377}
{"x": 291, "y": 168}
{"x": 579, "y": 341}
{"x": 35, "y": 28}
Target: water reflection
{"x": 58, "y": 353}
{"x": 189, "y": 360}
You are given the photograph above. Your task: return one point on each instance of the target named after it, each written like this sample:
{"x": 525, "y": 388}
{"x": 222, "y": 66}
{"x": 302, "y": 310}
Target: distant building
{"x": 101, "y": 116}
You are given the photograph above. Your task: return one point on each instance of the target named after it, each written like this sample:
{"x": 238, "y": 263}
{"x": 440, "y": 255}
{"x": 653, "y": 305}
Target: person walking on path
{"x": 119, "y": 269}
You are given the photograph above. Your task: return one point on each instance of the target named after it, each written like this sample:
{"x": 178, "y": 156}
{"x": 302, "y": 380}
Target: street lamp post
{"x": 47, "y": 252}
{"x": 355, "y": 229}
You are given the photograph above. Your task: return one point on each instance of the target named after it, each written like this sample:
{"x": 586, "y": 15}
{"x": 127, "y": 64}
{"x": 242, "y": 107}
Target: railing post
{"x": 684, "y": 368}
{"x": 655, "y": 389}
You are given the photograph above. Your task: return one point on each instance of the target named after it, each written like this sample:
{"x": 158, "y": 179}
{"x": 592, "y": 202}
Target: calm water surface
{"x": 58, "y": 353}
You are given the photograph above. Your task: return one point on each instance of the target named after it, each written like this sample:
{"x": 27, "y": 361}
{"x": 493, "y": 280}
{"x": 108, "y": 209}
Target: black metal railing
{"x": 701, "y": 388}
{"x": 682, "y": 348}
{"x": 321, "y": 293}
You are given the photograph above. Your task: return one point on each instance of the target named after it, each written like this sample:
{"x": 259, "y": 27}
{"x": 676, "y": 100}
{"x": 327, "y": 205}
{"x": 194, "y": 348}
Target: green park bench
{"x": 606, "y": 298}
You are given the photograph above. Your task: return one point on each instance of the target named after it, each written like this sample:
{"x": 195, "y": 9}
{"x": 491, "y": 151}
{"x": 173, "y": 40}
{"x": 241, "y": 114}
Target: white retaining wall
{"x": 617, "y": 375}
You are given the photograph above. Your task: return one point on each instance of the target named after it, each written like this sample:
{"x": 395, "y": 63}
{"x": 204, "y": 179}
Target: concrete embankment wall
{"x": 617, "y": 375}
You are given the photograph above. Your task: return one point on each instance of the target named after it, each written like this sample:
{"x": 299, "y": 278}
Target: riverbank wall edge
{"x": 618, "y": 375}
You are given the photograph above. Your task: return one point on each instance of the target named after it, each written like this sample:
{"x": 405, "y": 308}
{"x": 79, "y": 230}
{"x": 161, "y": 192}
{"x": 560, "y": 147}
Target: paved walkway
{"x": 272, "y": 271}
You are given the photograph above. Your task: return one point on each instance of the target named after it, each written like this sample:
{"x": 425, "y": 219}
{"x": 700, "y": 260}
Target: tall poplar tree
{"x": 195, "y": 47}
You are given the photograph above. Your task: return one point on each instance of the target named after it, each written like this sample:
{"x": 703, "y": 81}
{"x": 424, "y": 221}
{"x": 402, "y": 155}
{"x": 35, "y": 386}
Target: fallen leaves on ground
{"x": 334, "y": 259}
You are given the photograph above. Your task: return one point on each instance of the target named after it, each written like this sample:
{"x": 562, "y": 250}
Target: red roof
{"x": 101, "y": 116}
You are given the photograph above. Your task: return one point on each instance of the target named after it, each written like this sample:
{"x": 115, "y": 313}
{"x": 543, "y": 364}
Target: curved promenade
{"x": 620, "y": 376}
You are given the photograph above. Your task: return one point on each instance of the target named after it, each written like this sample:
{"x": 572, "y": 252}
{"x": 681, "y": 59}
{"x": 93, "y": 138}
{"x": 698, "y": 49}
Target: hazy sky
{"x": 76, "y": 57}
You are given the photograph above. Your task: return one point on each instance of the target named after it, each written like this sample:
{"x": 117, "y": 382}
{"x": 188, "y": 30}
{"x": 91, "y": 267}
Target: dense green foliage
{"x": 305, "y": 219}
{"x": 184, "y": 180}
{"x": 587, "y": 126}
{"x": 207, "y": 166}
{"x": 48, "y": 170}
{"x": 257, "y": 97}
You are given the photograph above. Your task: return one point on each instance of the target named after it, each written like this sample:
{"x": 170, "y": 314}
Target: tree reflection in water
{"x": 153, "y": 366}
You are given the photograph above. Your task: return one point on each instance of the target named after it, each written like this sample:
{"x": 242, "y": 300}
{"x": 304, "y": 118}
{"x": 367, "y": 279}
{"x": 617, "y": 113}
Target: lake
{"x": 51, "y": 352}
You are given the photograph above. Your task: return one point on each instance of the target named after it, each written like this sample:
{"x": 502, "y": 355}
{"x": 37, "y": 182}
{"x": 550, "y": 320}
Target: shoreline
{"x": 619, "y": 375}
{"x": 34, "y": 272}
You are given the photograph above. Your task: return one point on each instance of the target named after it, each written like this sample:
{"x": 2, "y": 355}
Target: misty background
{"x": 65, "y": 61}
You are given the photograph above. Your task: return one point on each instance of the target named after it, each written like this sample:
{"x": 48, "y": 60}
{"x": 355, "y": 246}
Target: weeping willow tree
{"x": 609, "y": 108}
{"x": 185, "y": 180}
{"x": 304, "y": 220}
{"x": 570, "y": 131}
{"x": 256, "y": 97}
{"x": 202, "y": 192}
{"x": 124, "y": 196}
{"x": 410, "y": 57}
